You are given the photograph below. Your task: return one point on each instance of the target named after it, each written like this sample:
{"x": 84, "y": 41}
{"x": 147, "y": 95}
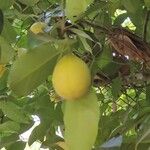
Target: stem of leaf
{"x": 146, "y": 24}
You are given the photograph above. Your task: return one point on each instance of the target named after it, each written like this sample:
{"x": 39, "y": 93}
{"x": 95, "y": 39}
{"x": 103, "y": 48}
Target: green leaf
{"x": 116, "y": 87}
{"x": 105, "y": 58}
{"x": 81, "y": 33}
{"x": 113, "y": 5}
{"x": 33, "y": 41}
{"x": 19, "y": 145}
{"x": 45, "y": 111}
{"x": 144, "y": 135}
{"x": 129, "y": 5}
{"x": 5, "y": 141}
{"x": 7, "y": 52}
{"x": 9, "y": 126}
{"x": 29, "y": 2}
{"x": 147, "y": 3}
{"x": 38, "y": 134}
{"x": 13, "y": 111}
{"x": 8, "y": 31}
{"x": 6, "y": 4}
{"x": 31, "y": 69}
{"x": 43, "y": 5}
{"x": 3, "y": 80}
{"x": 51, "y": 139}
{"x": 94, "y": 7}
{"x": 85, "y": 44}
{"x": 132, "y": 6}
{"x": 76, "y": 8}
{"x": 120, "y": 19}
{"x": 81, "y": 119}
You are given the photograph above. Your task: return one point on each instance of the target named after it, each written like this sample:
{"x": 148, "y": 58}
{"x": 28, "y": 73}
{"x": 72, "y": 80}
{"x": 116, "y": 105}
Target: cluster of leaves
{"x": 121, "y": 84}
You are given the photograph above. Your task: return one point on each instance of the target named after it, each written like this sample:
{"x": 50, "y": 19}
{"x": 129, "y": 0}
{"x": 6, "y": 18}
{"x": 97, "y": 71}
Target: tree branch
{"x": 103, "y": 29}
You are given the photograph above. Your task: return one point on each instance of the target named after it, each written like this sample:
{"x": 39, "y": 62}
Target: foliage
{"x": 112, "y": 37}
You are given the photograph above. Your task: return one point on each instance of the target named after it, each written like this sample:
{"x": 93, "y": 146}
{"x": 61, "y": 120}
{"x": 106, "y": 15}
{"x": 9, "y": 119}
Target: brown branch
{"x": 145, "y": 25}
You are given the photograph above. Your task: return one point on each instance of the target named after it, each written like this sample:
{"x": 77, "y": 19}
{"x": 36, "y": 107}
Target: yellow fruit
{"x": 71, "y": 77}
{"x": 38, "y": 27}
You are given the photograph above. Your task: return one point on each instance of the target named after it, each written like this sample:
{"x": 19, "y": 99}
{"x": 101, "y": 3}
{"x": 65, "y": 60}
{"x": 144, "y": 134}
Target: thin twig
{"x": 145, "y": 25}
{"x": 105, "y": 30}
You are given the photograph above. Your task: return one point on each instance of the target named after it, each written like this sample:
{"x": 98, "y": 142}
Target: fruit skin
{"x": 71, "y": 77}
{"x": 38, "y": 27}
